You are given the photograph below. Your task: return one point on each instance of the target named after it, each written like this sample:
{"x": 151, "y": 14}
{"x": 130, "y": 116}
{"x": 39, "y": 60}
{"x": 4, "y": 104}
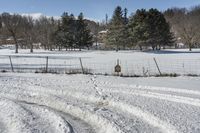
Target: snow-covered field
{"x": 60, "y": 103}
{"x": 181, "y": 62}
{"x": 38, "y": 103}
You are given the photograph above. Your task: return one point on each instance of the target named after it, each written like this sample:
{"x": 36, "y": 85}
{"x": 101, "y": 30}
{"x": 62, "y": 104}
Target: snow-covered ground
{"x": 179, "y": 61}
{"x": 54, "y": 103}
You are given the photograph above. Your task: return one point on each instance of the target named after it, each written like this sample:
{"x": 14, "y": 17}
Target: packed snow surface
{"x": 38, "y": 103}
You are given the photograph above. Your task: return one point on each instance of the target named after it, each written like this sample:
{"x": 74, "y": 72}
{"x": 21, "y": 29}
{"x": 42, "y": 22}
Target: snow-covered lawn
{"x": 88, "y": 103}
{"x": 181, "y": 62}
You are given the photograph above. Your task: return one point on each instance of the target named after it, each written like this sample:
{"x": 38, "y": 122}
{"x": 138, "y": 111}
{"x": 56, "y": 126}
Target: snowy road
{"x": 38, "y": 103}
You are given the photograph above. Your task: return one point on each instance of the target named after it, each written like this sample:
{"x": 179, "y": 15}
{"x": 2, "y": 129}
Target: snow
{"x": 181, "y": 61}
{"x": 61, "y": 103}
{"x": 104, "y": 104}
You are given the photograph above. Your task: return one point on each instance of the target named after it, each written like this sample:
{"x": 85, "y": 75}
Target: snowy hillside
{"x": 102, "y": 104}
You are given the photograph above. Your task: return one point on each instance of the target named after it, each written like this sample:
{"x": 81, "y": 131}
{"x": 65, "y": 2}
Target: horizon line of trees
{"x": 155, "y": 29}
{"x": 68, "y": 32}
{"x": 72, "y": 33}
{"x": 143, "y": 29}
{"x": 185, "y": 25}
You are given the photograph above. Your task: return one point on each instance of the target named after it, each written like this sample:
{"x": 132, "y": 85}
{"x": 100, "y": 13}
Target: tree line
{"x": 155, "y": 29}
{"x": 185, "y": 25}
{"x": 73, "y": 33}
{"x": 145, "y": 28}
{"x": 67, "y": 32}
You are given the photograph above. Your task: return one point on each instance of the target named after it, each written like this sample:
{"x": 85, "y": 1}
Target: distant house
{"x": 5, "y": 40}
{"x": 8, "y": 40}
{"x": 102, "y": 35}
{"x": 180, "y": 45}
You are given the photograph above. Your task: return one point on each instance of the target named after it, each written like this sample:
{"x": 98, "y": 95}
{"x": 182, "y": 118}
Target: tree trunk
{"x": 153, "y": 47}
{"x": 124, "y": 47}
{"x": 51, "y": 49}
{"x": 16, "y": 44}
{"x": 96, "y": 44}
{"x": 140, "y": 47}
{"x": 117, "y": 49}
{"x": 31, "y": 50}
{"x": 190, "y": 47}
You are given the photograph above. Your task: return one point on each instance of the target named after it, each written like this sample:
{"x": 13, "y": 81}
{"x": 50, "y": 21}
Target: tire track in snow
{"x": 125, "y": 108}
{"x": 21, "y": 119}
{"x": 14, "y": 116}
{"x": 76, "y": 125}
{"x": 101, "y": 124}
{"x": 53, "y": 122}
{"x": 167, "y": 97}
{"x": 145, "y": 116}
{"x": 154, "y": 88}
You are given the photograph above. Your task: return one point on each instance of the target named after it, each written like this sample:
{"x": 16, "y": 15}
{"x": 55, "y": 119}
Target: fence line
{"x": 134, "y": 67}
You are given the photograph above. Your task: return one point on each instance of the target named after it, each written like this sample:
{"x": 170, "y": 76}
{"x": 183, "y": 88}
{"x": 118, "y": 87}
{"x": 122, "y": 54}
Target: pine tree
{"x": 149, "y": 28}
{"x": 58, "y": 38}
{"x": 159, "y": 30}
{"x": 138, "y": 28}
{"x": 72, "y": 31}
{"x": 66, "y": 30}
{"x": 83, "y": 36}
{"x": 114, "y": 36}
{"x": 126, "y": 40}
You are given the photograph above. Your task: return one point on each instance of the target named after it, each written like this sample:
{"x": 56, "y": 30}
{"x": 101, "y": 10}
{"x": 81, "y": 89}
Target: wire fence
{"x": 73, "y": 65}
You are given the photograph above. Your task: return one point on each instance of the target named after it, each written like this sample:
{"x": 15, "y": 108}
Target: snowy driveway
{"x": 86, "y": 103}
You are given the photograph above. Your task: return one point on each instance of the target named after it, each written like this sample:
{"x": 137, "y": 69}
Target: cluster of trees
{"x": 73, "y": 33}
{"x": 26, "y": 31}
{"x": 185, "y": 25}
{"x": 50, "y": 33}
{"x": 144, "y": 29}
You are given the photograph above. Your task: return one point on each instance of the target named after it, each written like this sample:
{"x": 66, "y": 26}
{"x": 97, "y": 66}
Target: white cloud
{"x": 34, "y": 15}
{"x": 38, "y": 15}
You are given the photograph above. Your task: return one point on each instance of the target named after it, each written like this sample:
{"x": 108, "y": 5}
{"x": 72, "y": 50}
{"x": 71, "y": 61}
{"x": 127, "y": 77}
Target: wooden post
{"x": 47, "y": 62}
{"x": 11, "y": 64}
{"x": 117, "y": 65}
{"x": 157, "y": 66}
{"x": 81, "y": 65}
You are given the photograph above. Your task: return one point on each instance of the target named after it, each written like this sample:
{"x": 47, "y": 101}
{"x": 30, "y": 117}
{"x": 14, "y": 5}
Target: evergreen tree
{"x": 72, "y": 31}
{"x": 159, "y": 30}
{"x": 83, "y": 37}
{"x": 114, "y": 36}
{"x": 126, "y": 40}
{"x": 149, "y": 28}
{"x": 138, "y": 28}
{"x": 66, "y": 30}
{"x": 58, "y": 38}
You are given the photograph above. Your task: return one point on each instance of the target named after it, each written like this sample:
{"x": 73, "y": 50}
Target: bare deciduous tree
{"x": 13, "y": 25}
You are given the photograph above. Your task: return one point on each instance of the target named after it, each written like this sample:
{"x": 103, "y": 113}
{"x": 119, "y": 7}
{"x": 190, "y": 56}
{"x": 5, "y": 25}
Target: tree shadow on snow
{"x": 171, "y": 52}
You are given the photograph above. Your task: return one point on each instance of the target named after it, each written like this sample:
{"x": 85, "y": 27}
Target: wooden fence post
{"x": 47, "y": 62}
{"x": 81, "y": 65}
{"x": 157, "y": 66}
{"x": 11, "y": 64}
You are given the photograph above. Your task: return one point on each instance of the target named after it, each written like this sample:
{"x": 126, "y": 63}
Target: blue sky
{"x": 94, "y": 9}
